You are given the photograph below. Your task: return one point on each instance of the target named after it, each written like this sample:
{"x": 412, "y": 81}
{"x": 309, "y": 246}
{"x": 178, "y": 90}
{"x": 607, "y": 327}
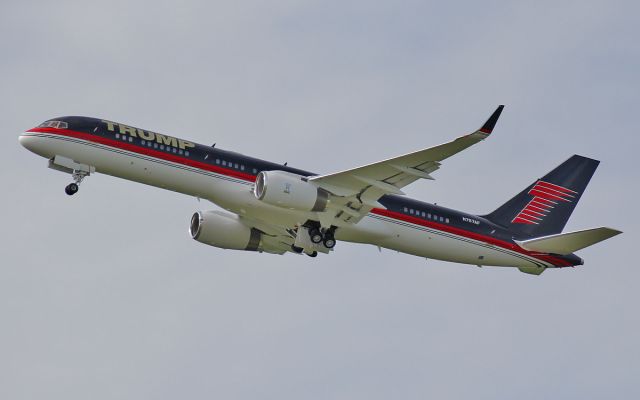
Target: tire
{"x": 329, "y": 242}
{"x": 315, "y": 235}
{"x": 296, "y": 249}
{"x": 71, "y": 189}
{"x": 314, "y": 254}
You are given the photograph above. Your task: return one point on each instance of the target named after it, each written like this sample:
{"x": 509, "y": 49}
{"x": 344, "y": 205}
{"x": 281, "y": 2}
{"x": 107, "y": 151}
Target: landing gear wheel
{"x": 71, "y": 189}
{"x": 296, "y": 249}
{"x": 315, "y": 235}
{"x": 314, "y": 254}
{"x": 329, "y": 242}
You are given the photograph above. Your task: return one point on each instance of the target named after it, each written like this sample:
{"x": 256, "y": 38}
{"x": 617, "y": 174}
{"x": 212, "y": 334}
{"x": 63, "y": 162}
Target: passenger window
{"x": 224, "y": 163}
{"x": 217, "y": 161}
{"x": 186, "y": 153}
{"x": 406, "y": 209}
{"x": 446, "y": 220}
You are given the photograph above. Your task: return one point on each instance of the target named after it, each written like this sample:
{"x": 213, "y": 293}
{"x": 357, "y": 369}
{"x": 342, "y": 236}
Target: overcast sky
{"x": 105, "y": 296}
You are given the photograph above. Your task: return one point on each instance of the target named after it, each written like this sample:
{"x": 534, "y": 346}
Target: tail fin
{"x": 545, "y": 206}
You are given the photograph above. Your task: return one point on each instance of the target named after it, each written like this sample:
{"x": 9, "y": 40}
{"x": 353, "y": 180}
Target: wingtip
{"x": 491, "y": 122}
{"x": 614, "y": 231}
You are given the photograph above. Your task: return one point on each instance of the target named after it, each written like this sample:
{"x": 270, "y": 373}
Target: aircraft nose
{"x": 24, "y": 140}
{"x": 34, "y": 144}
{"x": 27, "y": 141}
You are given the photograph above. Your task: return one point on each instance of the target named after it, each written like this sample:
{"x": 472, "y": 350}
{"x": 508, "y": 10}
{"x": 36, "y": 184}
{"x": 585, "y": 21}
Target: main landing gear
{"x": 316, "y": 235}
{"x": 312, "y": 239}
{"x": 77, "y": 176}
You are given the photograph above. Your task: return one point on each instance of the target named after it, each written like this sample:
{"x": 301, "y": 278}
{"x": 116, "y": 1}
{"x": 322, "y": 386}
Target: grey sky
{"x": 105, "y": 296}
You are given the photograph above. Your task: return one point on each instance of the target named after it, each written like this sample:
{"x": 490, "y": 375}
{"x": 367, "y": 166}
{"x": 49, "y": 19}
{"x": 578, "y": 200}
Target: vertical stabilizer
{"x": 545, "y": 206}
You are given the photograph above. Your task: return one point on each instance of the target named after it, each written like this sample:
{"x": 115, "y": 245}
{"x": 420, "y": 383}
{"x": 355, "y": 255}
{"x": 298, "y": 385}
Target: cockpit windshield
{"x": 54, "y": 124}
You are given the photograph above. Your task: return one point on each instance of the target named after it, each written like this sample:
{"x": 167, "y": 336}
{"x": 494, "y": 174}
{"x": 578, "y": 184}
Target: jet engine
{"x": 224, "y": 230}
{"x": 287, "y": 190}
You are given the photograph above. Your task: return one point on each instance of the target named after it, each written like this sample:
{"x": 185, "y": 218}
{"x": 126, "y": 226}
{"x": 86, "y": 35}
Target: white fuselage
{"x": 236, "y": 196}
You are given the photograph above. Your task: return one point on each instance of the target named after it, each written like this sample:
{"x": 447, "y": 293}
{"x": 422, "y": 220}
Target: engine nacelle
{"x": 224, "y": 230}
{"x": 287, "y": 190}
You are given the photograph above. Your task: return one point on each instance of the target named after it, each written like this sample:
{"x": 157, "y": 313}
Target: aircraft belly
{"x": 447, "y": 247}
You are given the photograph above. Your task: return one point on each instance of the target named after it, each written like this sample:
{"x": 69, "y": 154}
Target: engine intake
{"x": 287, "y": 190}
{"x": 224, "y": 230}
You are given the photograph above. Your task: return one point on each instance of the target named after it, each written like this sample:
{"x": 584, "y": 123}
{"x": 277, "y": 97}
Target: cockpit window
{"x": 54, "y": 124}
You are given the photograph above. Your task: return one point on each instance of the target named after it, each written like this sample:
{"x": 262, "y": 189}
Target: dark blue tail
{"x": 545, "y": 206}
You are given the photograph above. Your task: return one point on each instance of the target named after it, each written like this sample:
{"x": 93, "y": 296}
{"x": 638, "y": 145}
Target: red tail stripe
{"x": 537, "y": 207}
{"x": 536, "y": 202}
{"x": 553, "y": 191}
{"x": 546, "y": 195}
{"x": 556, "y": 187}
{"x": 530, "y": 210}
{"x": 520, "y": 220}
{"x": 547, "y": 201}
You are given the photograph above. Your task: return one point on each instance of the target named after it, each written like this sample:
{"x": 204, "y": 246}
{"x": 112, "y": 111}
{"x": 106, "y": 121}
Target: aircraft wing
{"x": 275, "y": 239}
{"x": 370, "y": 182}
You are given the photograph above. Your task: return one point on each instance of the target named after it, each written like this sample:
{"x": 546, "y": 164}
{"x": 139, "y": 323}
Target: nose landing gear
{"x": 77, "y": 170}
{"x": 77, "y": 176}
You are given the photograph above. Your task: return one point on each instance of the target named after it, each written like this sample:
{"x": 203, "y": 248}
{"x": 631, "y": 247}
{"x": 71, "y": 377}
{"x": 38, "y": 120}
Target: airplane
{"x": 277, "y": 209}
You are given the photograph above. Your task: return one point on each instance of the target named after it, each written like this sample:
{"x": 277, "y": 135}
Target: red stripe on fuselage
{"x": 470, "y": 235}
{"x": 148, "y": 151}
{"x": 251, "y": 178}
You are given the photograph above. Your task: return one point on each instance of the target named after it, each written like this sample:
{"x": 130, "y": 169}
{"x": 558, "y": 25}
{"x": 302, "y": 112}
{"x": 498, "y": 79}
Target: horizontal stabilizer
{"x": 567, "y": 243}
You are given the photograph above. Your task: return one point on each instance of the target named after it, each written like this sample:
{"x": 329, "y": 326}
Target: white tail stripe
{"x": 546, "y": 210}
{"x": 557, "y": 186}
{"x": 547, "y": 191}
{"x": 529, "y": 216}
{"x": 541, "y": 205}
{"x": 551, "y": 190}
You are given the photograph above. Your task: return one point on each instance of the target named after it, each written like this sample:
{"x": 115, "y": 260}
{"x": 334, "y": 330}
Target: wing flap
{"x": 567, "y": 243}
